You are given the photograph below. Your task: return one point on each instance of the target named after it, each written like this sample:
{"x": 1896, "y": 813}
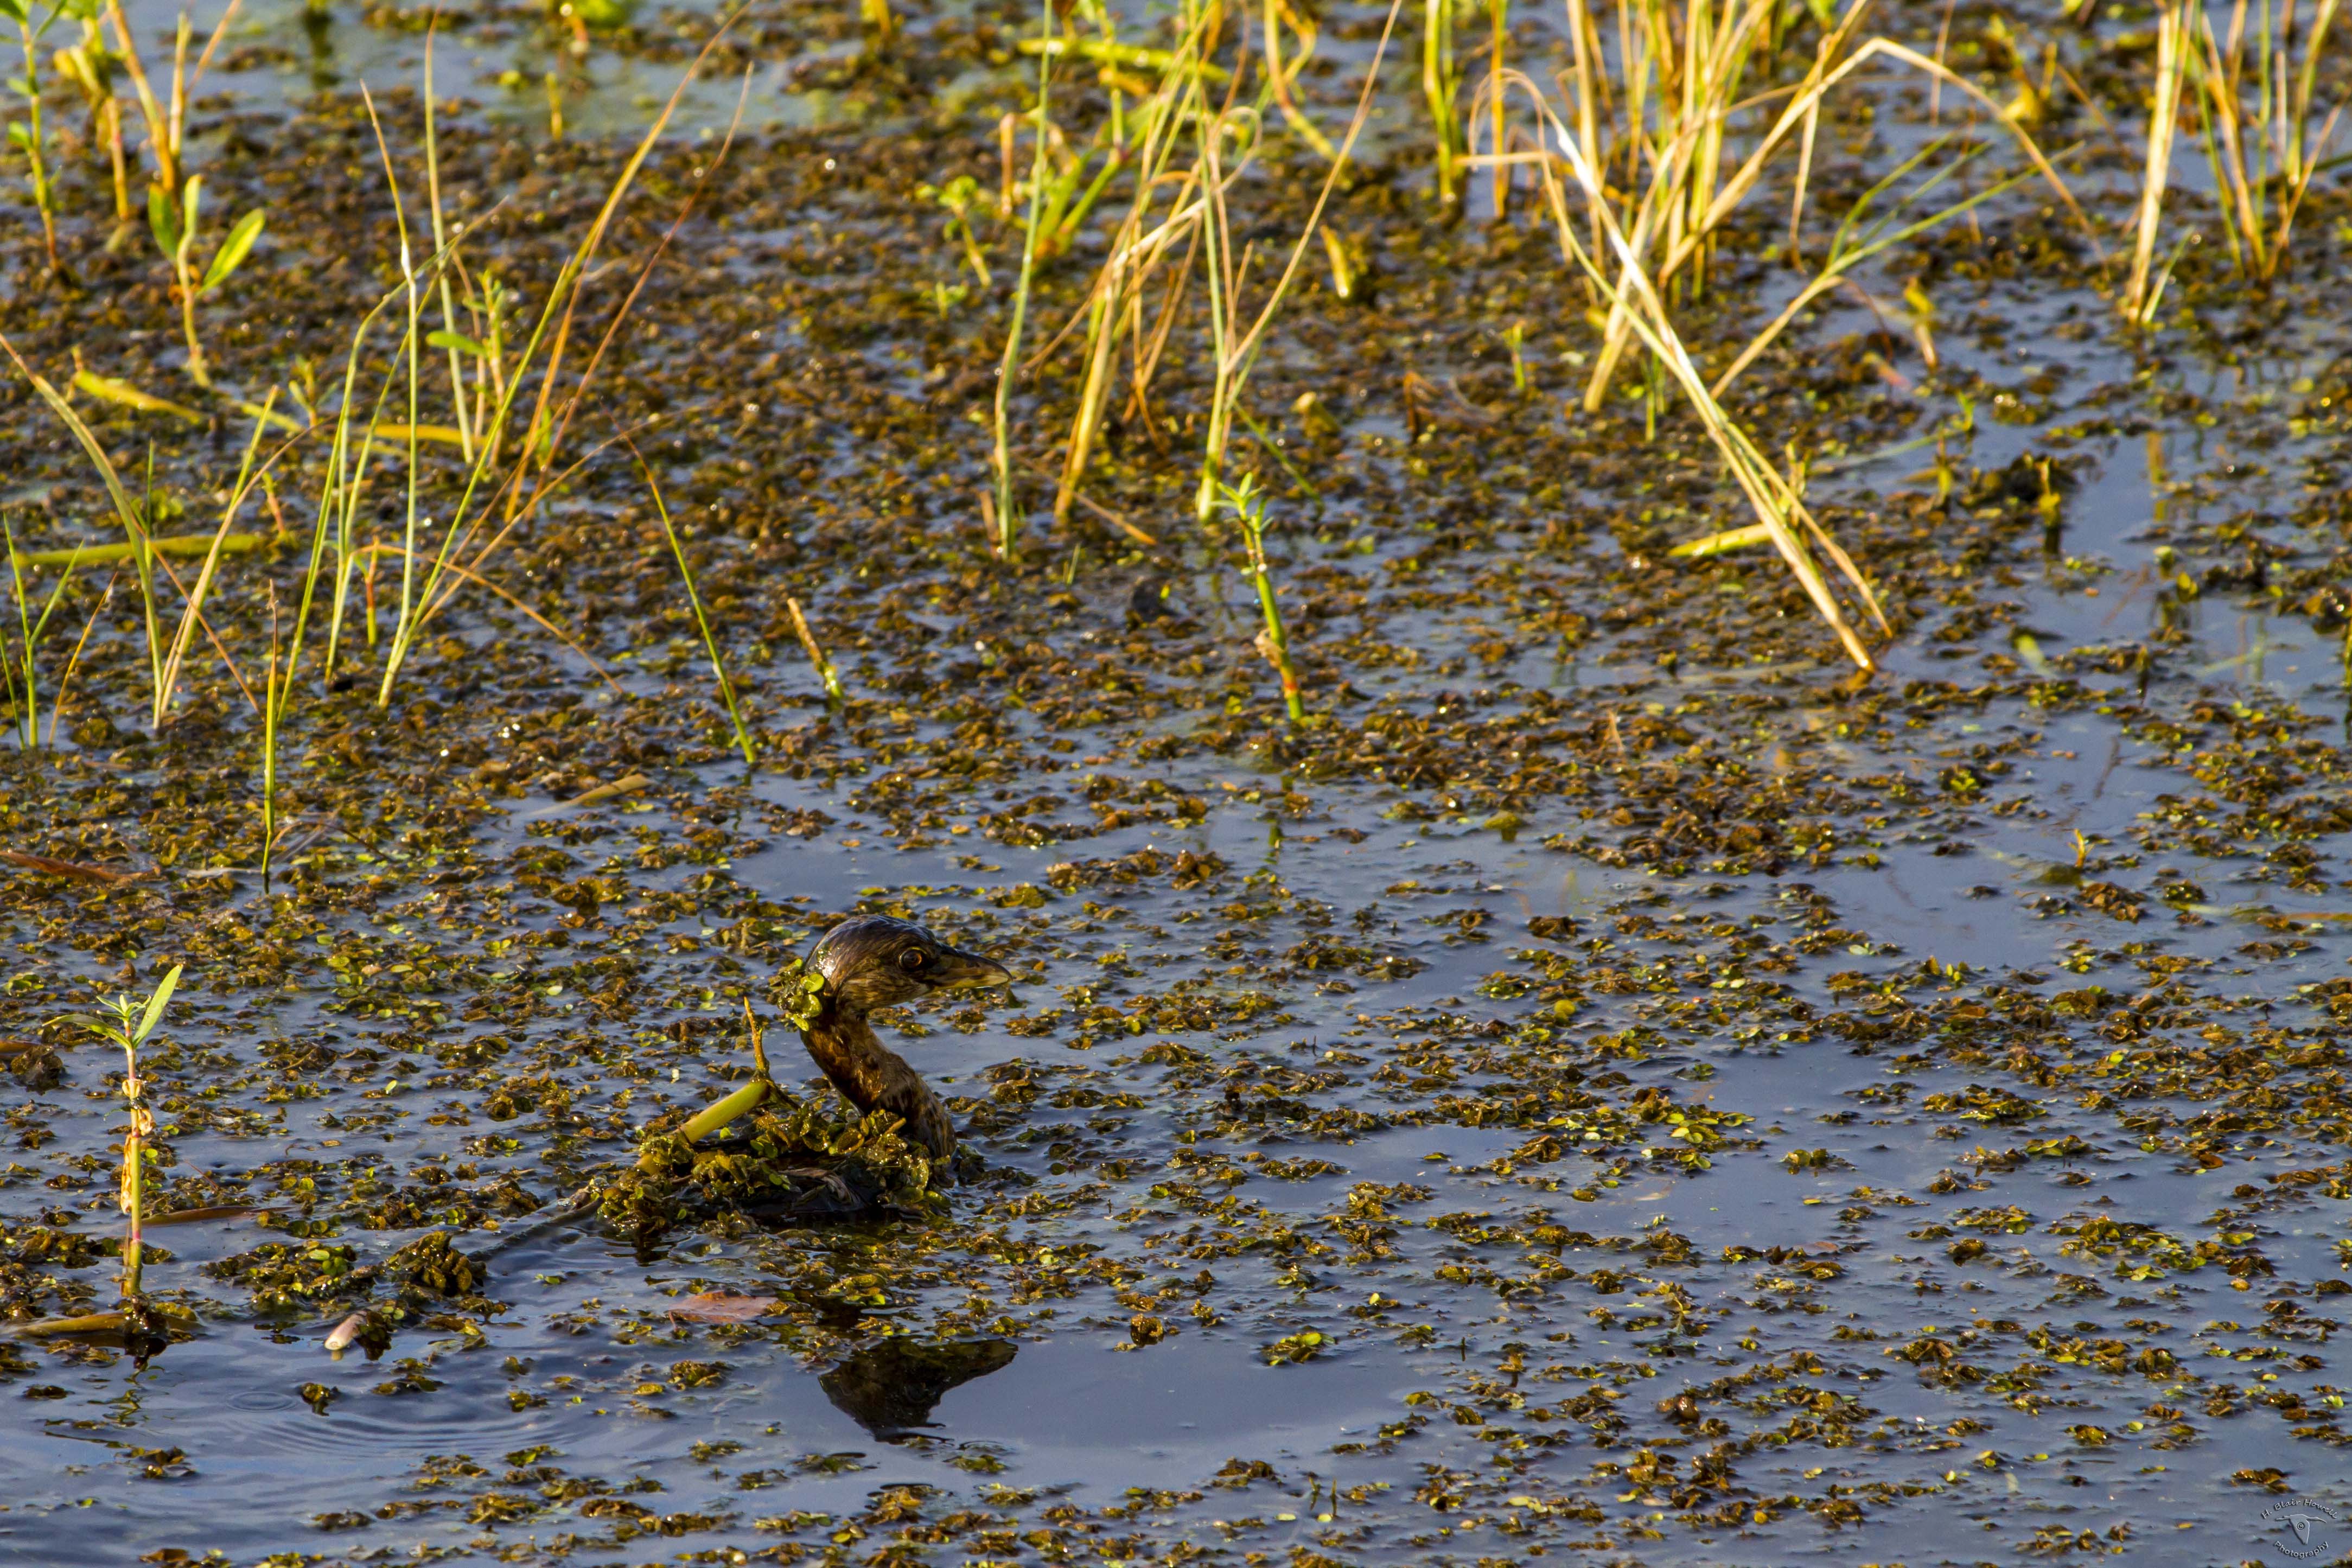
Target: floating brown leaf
{"x": 719, "y": 1307}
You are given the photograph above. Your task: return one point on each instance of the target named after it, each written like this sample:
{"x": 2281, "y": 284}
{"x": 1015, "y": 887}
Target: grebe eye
{"x": 913, "y": 960}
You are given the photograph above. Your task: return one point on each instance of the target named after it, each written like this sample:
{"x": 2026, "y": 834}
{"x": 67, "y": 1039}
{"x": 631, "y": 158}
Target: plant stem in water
{"x": 1007, "y": 520}
{"x": 702, "y": 621}
{"x": 1247, "y": 504}
{"x": 817, "y": 654}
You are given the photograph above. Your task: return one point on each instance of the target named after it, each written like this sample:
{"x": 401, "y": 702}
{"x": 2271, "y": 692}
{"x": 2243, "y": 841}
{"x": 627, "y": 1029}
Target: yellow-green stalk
{"x": 1007, "y": 522}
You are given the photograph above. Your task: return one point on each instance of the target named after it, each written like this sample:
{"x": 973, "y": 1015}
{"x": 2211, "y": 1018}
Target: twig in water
{"x": 817, "y": 654}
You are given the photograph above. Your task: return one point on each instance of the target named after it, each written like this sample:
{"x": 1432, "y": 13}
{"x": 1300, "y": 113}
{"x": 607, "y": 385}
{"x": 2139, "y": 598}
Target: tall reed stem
{"x": 28, "y": 638}
{"x": 191, "y": 613}
{"x": 441, "y": 246}
{"x": 1777, "y": 500}
{"x": 2263, "y": 155}
{"x": 1007, "y": 520}
{"x": 272, "y": 703}
{"x": 702, "y": 620}
{"x": 161, "y": 145}
{"x": 1236, "y": 352}
{"x": 32, "y": 139}
{"x": 2163, "y": 125}
{"x": 1439, "y": 89}
{"x": 132, "y": 517}
{"x": 412, "y": 300}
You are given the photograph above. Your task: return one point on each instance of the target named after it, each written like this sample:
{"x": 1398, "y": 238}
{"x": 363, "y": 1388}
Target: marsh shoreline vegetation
{"x": 1704, "y": 922}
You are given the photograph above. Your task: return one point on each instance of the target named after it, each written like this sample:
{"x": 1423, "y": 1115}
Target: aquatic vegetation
{"x": 19, "y": 669}
{"x": 1284, "y": 79}
{"x": 1233, "y": 348}
{"x": 297, "y": 1275}
{"x": 1775, "y": 496}
{"x": 815, "y": 651}
{"x": 1139, "y": 246}
{"x": 1862, "y": 234}
{"x": 1006, "y": 503}
{"x": 1591, "y": 1057}
{"x": 791, "y": 1159}
{"x": 128, "y": 1023}
{"x": 2263, "y": 155}
{"x": 702, "y": 620}
{"x": 1246, "y": 506}
{"x": 2144, "y": 289}
{"x": 175, "y": 225}
{"x": 1441, "y": 88}
{"x": 960, "y": 197}
{"x": 299, "y": 1278}
{"x": 137, "y": 536}
{"x": 585, "y": 16}
{"x": 28, "y": 135}
{"x": 431, "y": 1265}
{"x": 192, "y": 609}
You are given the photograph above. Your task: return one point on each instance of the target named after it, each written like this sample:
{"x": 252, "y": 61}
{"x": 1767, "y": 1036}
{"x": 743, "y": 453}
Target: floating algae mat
{"x": 1615, "y": 1083}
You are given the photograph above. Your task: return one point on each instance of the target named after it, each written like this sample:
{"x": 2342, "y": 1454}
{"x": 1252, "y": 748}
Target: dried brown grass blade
{"x": 79, "y": 870}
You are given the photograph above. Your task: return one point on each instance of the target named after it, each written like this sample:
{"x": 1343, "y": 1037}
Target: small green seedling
{"x": 129, "y": 1022}
{"x": 945, "y": 297}
{"x": 959, "y": 196}
{"x": 175, "y": 227}
{"x": 1247, "y": 504}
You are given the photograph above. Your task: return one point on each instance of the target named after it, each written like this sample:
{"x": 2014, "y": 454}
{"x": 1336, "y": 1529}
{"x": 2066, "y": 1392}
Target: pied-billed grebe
{"x": 875, "y": 962}
{"x": 744, "y": 1153}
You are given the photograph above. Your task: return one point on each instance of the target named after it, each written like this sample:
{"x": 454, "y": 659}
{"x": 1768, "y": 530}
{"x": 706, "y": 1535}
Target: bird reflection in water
{"x": 890, "y": 1388}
